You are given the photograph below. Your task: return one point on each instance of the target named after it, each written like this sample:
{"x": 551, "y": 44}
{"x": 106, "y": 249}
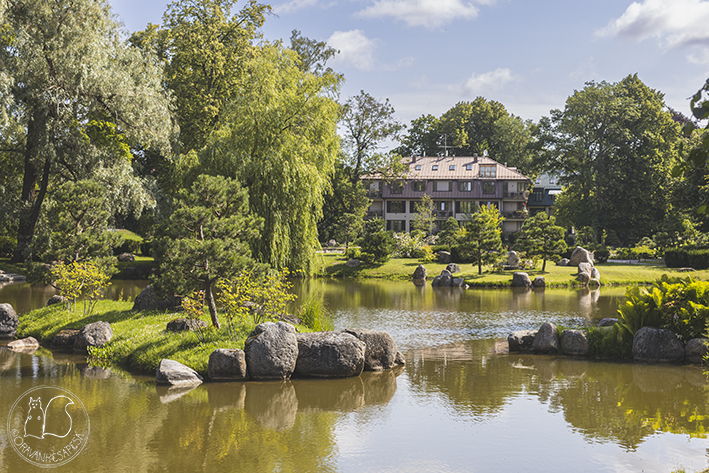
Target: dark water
{"x": 461, "y": 404}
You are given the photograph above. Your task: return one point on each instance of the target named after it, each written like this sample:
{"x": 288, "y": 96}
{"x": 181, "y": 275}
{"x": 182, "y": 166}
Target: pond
{"x": 461, "y": 403}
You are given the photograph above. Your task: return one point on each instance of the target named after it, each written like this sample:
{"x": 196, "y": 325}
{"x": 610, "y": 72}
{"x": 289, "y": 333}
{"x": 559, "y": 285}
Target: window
{"x": 537, "y": 195}
{"x": 468, "y": 206}
{"x": 442, "y": 205}
{"x": 396, "y": 225}
{"x": 441, "y": 186}
{"x": 419, "y": 186}
{"x": 465, "y": 186}
{"x": 397, "y": 188}
{"x": 488, "y": 170}
{"x": 418, "y": 167}
{"x": 520, "y": 187}
{"x": 488, "y": 187}
{"x": 396, "y": 206}
{"x": 451, "y": 167}
{"x": 468, "y": 167}
{"x": 435, "y": 167}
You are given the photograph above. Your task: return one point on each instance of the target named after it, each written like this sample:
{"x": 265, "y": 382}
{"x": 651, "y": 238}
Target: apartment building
{"x": 457, "y": 186}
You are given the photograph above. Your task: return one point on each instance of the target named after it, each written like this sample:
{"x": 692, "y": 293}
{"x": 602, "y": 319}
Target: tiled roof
{"x": 423, "y": 168}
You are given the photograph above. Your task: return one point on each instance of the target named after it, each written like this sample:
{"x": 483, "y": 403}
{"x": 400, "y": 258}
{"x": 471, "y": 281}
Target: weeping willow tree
{"x": 278, "y": 138}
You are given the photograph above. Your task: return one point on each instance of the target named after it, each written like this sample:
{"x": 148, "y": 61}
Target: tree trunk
{"x": 209, "y": 299}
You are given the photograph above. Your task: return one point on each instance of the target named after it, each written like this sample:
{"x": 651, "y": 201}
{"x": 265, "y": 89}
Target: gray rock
{"x": 8, "y": 321}
{"x": 23, "y": 343}
{"x": 586, "y": 268}
{"x": 546, "y": 340}
{"x": 520, "y": 279}
{"x": 512, "y": 259}
{"x": 563, "y": 262}
{"x": 271, "y": 351}
{"x": 96, "y": 334}
{"x": 521, "y": 340}
{"x": 420, "y": 272}
{"x": 457, "y": 282}
{"x": 126, "y": 258}
{"x": 331, "y": 243}
{"x": 56, "y": 299}
{"x": 65, "y": 338}
{"x": 453, "y": 268}
{"x": 227, "y": 364}
{"x": 353, "y": 263}
{"x": 444, "y": 280}
{"x": 329, "y": 355}
{"x": 595, "y": 274}
{"x": 96, "y": 372}
{"x": 149, "y": 300}
{"x": 696, "y": 349}
{"x": 380, "y": 353}
{"x": 607, "y": 322}
{"x": 176, "y": 374}
{"x": 444, "y": 257}
{"x": 583, "y": 278}
{"x": 657, "y": 345}
{"x": 185, "y": 325}
{"x": 580, "y": 255}
{"x": 400, "y": 359}
{"x": 574, "y": 342}
{"x": 539, "y": 281}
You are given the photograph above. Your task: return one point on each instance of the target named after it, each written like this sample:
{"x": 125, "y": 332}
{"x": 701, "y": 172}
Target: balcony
{"x": 516, "y": 195}
{"x": 442, "y": 214}
{"x": 516, "y": 215}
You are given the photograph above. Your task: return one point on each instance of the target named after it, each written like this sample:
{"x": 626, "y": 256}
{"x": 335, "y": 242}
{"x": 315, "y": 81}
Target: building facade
{"x": 457, "y": 186}
{"x": 543, "y": 195}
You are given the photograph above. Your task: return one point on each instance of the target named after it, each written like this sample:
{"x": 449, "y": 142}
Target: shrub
{"x": 127, "y": 246}
{"x": 352, "y": 253}
{"x": 314, "y": 314}
{"x": 607, "y": 342}
{"x": 86, "y": 280}
{"x": 687, "y": 257}
{"x": 7, "y": 246}
{"x": 601, "y": 255}
{"x": 146, "y": 248}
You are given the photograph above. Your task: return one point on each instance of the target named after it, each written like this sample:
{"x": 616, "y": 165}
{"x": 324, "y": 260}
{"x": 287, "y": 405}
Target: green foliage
{"x": 687, "y": 258}
{"x": 607, "y": 342}
{"x": 206, "y": 239}
{"x": 313, "y": 314}
{"x": 447, "y": 234}
{"x": 698, "y": 154}
{"x": 84, "y": 280}
{"x": 413, "y": 245}
{"x": 377, "y": 244}
{"x": 352, "y": 253}
{"x": 601, "y": 255}
{"x": 424, "y": 218}
{"x": 540, "y": 237}
{"x": 481, "y": 236}
{"x": 422, "y": 139}
{"x": 636, "y": 253}
{"x": 7, "y": 245}
{"x": 470, "y": 126}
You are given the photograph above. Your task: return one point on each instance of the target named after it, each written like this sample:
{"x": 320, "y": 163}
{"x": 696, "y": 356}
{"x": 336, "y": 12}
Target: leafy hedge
{"x": 687, "y": 257}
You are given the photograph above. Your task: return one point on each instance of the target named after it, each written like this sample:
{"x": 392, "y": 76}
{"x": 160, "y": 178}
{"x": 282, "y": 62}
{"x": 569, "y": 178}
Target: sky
{"x": 427, "y": 55}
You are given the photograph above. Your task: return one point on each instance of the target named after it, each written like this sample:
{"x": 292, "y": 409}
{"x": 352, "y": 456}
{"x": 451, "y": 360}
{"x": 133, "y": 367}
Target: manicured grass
{"x": 139, "y": 338}
{"x": 129, "y": 235}
{"x": 611, "y": 273}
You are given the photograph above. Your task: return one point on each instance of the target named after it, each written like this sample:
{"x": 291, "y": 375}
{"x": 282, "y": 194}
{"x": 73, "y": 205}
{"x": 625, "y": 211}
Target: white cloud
{"x": 293, "y": 6}
{"x": 488, "y": 81}
{"x": 427, "y": 13}
{"x": 673, "y": 22}
{"x": 355, "y": 49}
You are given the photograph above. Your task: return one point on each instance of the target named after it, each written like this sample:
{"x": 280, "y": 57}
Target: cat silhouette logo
{"x": 48, "y": 426}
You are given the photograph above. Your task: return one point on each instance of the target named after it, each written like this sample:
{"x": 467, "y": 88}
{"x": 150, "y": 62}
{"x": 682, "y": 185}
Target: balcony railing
{"x": 442, "y": 213}
{"x": 518, "y": 214}
{"x": 516, "y": 195}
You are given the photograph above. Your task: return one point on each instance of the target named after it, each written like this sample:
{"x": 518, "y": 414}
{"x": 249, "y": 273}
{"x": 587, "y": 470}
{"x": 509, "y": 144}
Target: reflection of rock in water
{"x": 657, "y": 379}
{"x": 7, "y": 359}
{"x": 96, "y": 372}
{"x": 696, "y": 376}
{"x": 344, "y": 395}
{"x": 274, "y": 404}
{"x": 570, "y": 368}
{"x": 171, "y": 393}
{"x": 379, "y": 386}
{"x": 229, "y": 394}
{"x": 588, "y": 299}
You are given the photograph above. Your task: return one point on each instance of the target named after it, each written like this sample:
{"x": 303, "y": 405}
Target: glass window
{"x": 468, "y": 206}
{"x": 520, "y": 187}
{"x": 435, "y": 167}
{"x": 397, "y": 188}
{"x": 465, "y": 186}
{"x": 418, "y": 167}
{"x": 441, "y": 186}
{"x": 537, "y": 195}
{"x": 488, "y": 187}
{"x": 396, "y": 225}
{"x": 451, "y": 167}
{"x": 442, "y": 205}
{"x": 419, "y": 186}
{"x": 396, "y": 206}
{"x": 488, "y": 170}
{"x": 468, "y": 167}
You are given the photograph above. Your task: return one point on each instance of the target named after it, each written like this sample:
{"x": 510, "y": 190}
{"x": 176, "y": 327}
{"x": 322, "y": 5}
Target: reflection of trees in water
{"x": 620, "y": 403}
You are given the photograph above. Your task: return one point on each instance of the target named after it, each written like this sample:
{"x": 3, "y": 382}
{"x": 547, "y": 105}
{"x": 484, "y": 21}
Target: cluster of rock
{"x": 649, "y": 344}
{"x": 522, "y": 279}
{"x": 275, "y": 351}
{"x": 8, "y": 321}
{"x": 11, "y": 277}
{"x": 149, "y": 300}
{"x": 583, "y": 259}
{"x": 445, "y": 279}
{"x": 95, "y": 334}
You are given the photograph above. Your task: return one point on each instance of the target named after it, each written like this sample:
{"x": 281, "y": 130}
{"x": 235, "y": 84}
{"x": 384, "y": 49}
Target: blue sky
{"x": 427, "y": 55}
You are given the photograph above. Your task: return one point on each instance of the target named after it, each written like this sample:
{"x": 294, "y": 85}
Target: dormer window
{"x": 435, "y": 167}
{"x": 468, "y": 167}
{"x": 451, "y": 167}
{"x": 418, "y": 167}
{"x": 488, "y": 170}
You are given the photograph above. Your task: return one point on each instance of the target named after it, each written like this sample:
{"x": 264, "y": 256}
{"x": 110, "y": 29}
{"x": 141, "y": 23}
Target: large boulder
{"x": 696, "y": 349}
{"x": 546, "y": 340}
{"x": 380, "y": 353}
{"x": 444, "y": 280}
{"x": 657, "y": 345}
{"x": 65, "y": 338}
{"x": 126, "y": 258}
{"x": 539, "y": 281}
{"x": 607, "y": 322}
{"x": 8, "y": 321}
{"x": 574, "y": 342}
{"x": 563, "y": 262}
{"x": 453, "y": 268}
{"x": 227, "y": 364}
{"x": 512, "y": 259}
{"x": 580, "y": 255}
{"x": 175, "y": 373}
{"x": 329, "y": 355}
{"x": 444, "y": 257}
{"x": 56, "y": 299}
{"x": 353, "y": 263}
{"x": 96, "y": 334}
{"x": 458, "y": 282}
{"x": 521, "y": 340}
{"x": 520, "y": 279}
{"x": 149, "y": 300}
{"x": 420, "y": 272}
{"x": 595, "y": 274}
{"x": 185, "y": 325}
{"x": 271, "y": 351}
{"x": 23, "y": 343}
{"x": 585, "y": 269}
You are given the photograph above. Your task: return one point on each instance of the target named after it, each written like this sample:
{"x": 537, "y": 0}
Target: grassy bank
{"x": 557, "y": 276}
{"x": 139, "y": 338}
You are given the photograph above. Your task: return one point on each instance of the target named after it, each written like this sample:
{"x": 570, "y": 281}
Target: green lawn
{"x": 403, "y": 269}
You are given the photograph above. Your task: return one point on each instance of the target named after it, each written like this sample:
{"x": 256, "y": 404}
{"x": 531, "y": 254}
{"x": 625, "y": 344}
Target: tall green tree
{"x": 279, "y": 140}
{"x": 614, "y": 146}
{"x": 422, "y": 139}
{"x": 470, "y": 126}
{"x": 482, "y": 236}
{"x": 424, "y": 219}
{"x": 206, "y": 239}
{"x": 540, "y": 236}
{"x": 73, "y": 96}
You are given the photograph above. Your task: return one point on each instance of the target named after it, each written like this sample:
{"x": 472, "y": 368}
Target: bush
{"x": 146, "y": 248}
{"x": 127, "y": 246}
{"x": 607, "y": 342}
{"x": 601, "y": 255}
{"x": 676, "y": 258}
{"x": 352, "y": 253}
{"x": 7, "y": 246}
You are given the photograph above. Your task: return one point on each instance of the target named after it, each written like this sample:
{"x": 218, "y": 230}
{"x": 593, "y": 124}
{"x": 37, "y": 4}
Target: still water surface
{"x": 461, "y": 403}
